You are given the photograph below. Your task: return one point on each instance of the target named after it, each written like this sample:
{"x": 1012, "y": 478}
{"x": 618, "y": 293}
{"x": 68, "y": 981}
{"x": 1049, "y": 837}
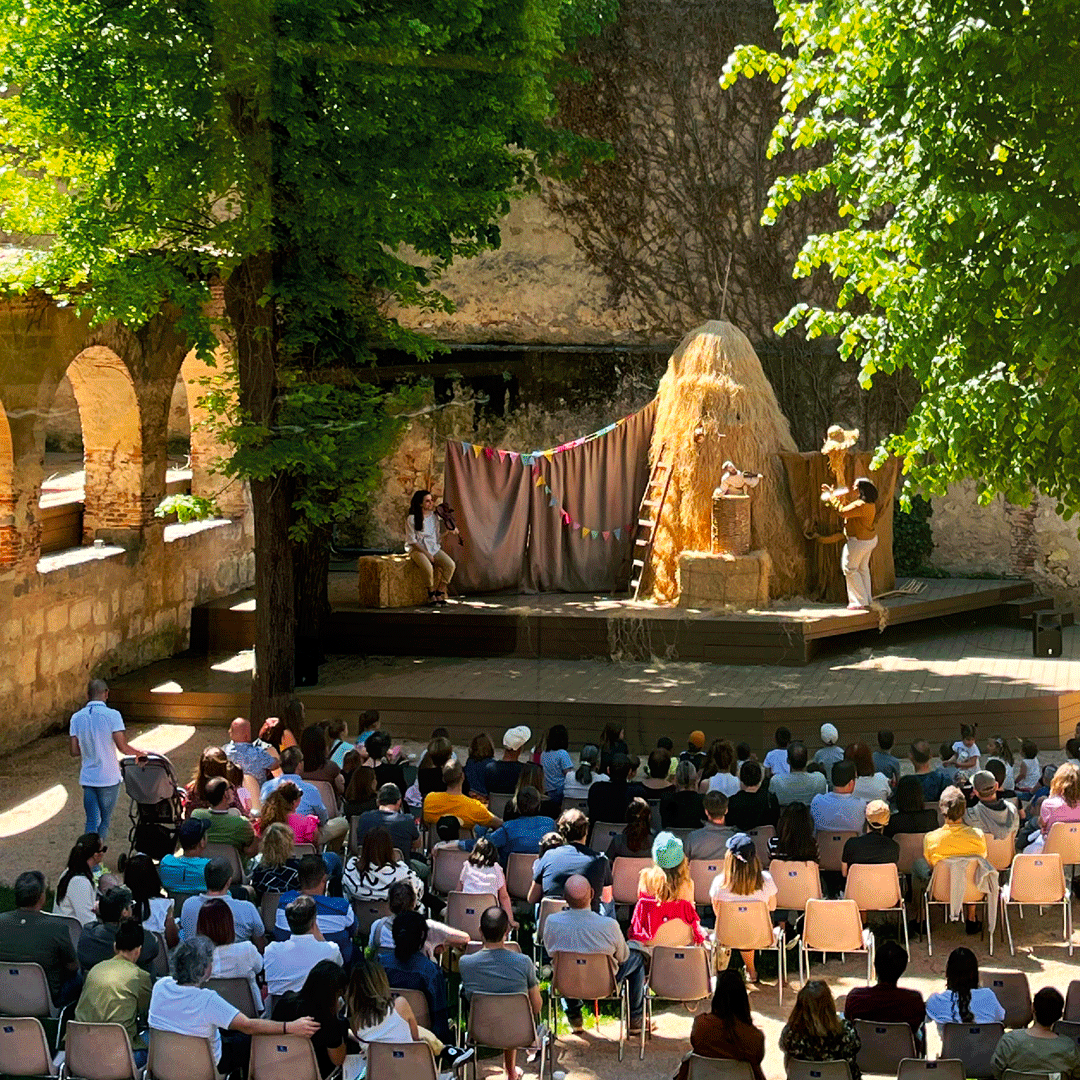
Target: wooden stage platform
{"x": 954, "y": 652}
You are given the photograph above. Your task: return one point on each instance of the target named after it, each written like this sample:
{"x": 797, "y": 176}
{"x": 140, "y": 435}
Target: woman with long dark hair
{"x": 612, "y": 741}
{"x": 317, "y": 763}
{"x": 232, "y": 959}
{"x": 408, "y": 968}
{"x": 423, "y": 544}
{"x": 728, "y": 1029}
{"x": 320, "y": 998}
{"x": 369, "y": 875}
{"x": 814, "y": 1031}
{"x": 212, "y": 762}
{"x": 76, "y": 892}
{"x": 912, "y": 815}
{"x": 963, "y": 1001}
{"x": 635, "y": 841}
{"x": 150, "y": 905}
{"x": 796, "y": 837}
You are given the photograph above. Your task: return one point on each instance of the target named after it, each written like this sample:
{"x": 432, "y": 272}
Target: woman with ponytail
{"x": 963, "y": 1001}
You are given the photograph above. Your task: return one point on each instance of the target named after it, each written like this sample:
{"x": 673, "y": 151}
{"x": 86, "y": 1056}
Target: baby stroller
{"x": 157, "y": 806}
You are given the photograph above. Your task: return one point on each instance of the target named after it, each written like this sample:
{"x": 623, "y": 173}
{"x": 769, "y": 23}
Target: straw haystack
{"x": 714, "y": 386}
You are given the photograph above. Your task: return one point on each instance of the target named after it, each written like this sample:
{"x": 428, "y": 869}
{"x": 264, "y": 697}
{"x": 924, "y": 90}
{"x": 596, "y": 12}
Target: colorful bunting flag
{"x": 477, "y": 451}
{"x": 539, "y": 481}
{"x": 502, "y": 455}
{"x": 618, "y": 534}
{"x": 584, "y": 532}
{"x": 606, "y": 534}
{"x": 466, "y": 447}
{"x": 554, "y": 501}
{"x": 593, "y": 533}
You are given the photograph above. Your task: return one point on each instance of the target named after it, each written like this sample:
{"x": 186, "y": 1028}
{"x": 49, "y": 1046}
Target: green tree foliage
{"x": 953, "y": 130}
{"x": 316, "y": 157}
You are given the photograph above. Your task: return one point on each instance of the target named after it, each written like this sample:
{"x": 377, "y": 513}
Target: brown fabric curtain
{"x": 556, "y": 522}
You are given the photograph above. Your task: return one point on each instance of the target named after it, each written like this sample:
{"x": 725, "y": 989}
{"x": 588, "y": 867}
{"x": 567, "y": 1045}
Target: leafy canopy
{"x": 953, "y": 129}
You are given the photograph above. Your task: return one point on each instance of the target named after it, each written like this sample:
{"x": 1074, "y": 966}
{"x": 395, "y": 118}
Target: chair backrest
{"x": 504, "y": 1021}
{"x": 24, "y": 1050}
{"x": 999, "y": 853}
{"x": 268, "y": 906}
{"x": 589, "y": 976}
{"x": 922, "y": 1069}
{"x": 761, "y": 837}
{"x": 1072, "y": 1001}
{"x": 939, "y": 883}
{"x": 401, "y": 1061}
{"x": 159, "y": 968}
{"x": 519, "y": 876}
{"x": 1037, "y": 879}
{"x": 367, "y": 911}
{"x": 1064, "y": 839}
{"x": 446, "y": 864}
{"x": 873, "y": 887}
{"x": 98, "y": 1052}
{"x": 418, "y": 1002}
{"x": 227, "y": 851}
{"x": 624, "y": 878}
{"x": 702, "y": 873}
{"x": 74, "y": 927}
{"x": 24, "y": 990}
{"x": 179, "y": 1057}
{"x": 463, "y": 911}
{"x": 548, "y": 905}
{"x": 911, "y": 848}
{"x": 1017, "y": 1074}
{"x": 797, "y": 1069}
{"x": 744, "y": 924}
{"x": 601, "y": 834}
{"x": 282, "y": 1057}
{"x": 674, "y": 932}
{"x": 883, "y": 1045}
{"x": 832, "y": 926}
{"x": 1014, "y": 993}
{"x": 973, "y": 1044}
{"x": 830, "y": 845}
{"x": 706, "y": 1068}
{"x": 1070, "y": 1029}
{"x": 680, "y": 973}
{"x": 327, "y": 794}
{"x": 237, "y": 992}
{"x": 796, "y": 883}
{"x": 497, "y": 802}
{"x": 300, "y": 850}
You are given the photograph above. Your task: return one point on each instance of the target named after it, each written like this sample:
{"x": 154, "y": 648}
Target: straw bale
{"x": 715, "y": 386}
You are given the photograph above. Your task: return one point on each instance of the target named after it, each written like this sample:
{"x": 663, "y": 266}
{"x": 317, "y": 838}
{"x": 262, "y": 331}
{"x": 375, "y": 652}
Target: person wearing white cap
{"x": 501, "y": 776}
{"x": 830, "y": 753}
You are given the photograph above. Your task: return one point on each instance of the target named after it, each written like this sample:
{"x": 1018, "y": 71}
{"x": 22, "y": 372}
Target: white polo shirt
{"x": 93, "y": 725}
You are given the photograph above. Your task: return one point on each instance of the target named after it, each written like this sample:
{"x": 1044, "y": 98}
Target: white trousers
{"x": 440, "y": 561}
{"x": 855, "y": 562}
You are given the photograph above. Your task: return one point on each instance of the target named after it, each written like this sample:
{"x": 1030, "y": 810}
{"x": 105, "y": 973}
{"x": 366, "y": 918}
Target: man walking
{"x": 97, "y": 732}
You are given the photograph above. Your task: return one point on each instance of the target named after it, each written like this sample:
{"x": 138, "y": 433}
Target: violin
{"x": 445, "y": 513}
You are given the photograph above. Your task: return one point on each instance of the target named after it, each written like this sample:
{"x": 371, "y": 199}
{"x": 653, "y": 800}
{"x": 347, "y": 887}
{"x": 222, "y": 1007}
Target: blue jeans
{"x": 632, "y": 969}
{"x": 99, "y": 803}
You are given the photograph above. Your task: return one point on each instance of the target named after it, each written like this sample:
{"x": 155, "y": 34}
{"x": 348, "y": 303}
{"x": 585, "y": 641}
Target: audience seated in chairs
{"x": 814, "y": 1032}
{"x": 334, "y": 914}
{"x": 728, "y": 1030}
{"x": 186, "y": 873}
{"x": 482, "y": 874}
{"x": 246, "y": 917}
{"x": 608, "y": 802}
{"x": 454, "y": 802}
{"x": 288, "y": 962}
{"x": 213, "y": 765}
{"x": 232, "y": 959}
{"x": 320, "y": 997}
{"x": 76, "y": 892}
{"x": 225, "y": 827}
{"x": 683, "y": 807}
{"x": 556, "y": 762}
{"x": 317, "y": 764}
{"x": 750, "y": 807}
{"x": 523, "y": 833}
{"x": 912, "y": 815}
{"x": 796, "y": 785}
{"x": 361, "y": 792}
{"x": 710, "y": 841}
{"x": 839, "y": 810}
{"x": 369, "y": 875}
{"x": 552, "y": 870}
{"x": 872, "y": 847}
{"x": 277, "y": 869}
{"x": 257, "y": 759}
{"x": 408, "y": 968}
{"x": 585, "y": 775}
{"x": 993, "y": 814}
{"x": 149, "y": 906}
{"x": 963, "y": 1001}
{"x": 389, "y": 815}
{"x": 501, "y": 774}
{"x": 743, "y": 879}
{"x": 635, "y": 841}
{"x": 96, "y": 942}
{"x": 1061, "y": 804}
{"x": 331, "y": 830}
{"x": 1037, "y": 1049}
{"x": 402, "y": 897}
{"x": 666, "y": 897}
{"x": 795, "y": 839}
{"x": 885, "y": 1002}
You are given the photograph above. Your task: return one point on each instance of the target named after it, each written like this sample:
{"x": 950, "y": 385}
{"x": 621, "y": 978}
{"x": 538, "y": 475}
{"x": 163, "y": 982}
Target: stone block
{"x": 101, "y": 613}
{"x": 80, "y": 613}
{"x": 707, "y": 580}
{"x": 390, "y": 581}
{"x": 56, "y": 618}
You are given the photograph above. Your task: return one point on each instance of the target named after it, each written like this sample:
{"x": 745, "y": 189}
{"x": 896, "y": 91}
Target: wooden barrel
{"x": 730, "y": 524}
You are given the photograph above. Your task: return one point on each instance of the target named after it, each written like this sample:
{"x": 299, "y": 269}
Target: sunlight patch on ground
{"x": 170, "y": 687}
{"x": 234, "y": 665}
{"x": 164, "y": 737}
{"x": 33, "y": 812}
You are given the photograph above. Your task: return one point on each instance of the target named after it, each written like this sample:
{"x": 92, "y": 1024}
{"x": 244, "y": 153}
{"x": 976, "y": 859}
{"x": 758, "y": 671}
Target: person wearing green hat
{"x": 666, "y": 896}
{"x": 743, "y": 879}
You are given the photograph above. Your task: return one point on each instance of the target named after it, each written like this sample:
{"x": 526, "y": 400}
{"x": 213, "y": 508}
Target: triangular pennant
{"x": 514, "y": 455}
{"x": 539, "y": 481}
{"x": 622, "y": 421}
{"x": 535, "y": 468}
{"x": 554, "y": 501}
{"x": 584, "y": 532}
{"x": 606, "y": 534}
{"x": 547, "y": 490}
{"x": 466, "y": 447}
{"x": 618, "y": 534}
{"x": 565, "y": 517}
{"x": 593, "y": 533}
{"x": 502, "y": 455}
{"x": 477, "y": 451}
{"x": 488, "y": 452}
{"x": 549, "y": 454}
{"x": 526, "y": 460}
{"x": 575, "y": 526}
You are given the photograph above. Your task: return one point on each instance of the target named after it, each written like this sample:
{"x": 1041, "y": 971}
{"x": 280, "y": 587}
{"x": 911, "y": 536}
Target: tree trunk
{"x": 310, "y": 565}
{"x": 254, "y": 333}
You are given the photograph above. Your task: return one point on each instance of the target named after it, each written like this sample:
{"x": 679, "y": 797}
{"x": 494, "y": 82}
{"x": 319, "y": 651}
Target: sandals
{"x": 440, "y": 598}
{"x": 433, "y": 598}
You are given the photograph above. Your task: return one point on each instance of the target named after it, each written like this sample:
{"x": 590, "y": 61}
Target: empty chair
{"x": 505, "y": 1022}
{"x": 179, "y": 1057}
{"x": 237, "y": 992}
{"x": 300, "y": 850}
{"x": 830, "y": 845}
{"x": 883, "y": 1045}
{"x": 573, "y": 804}
{"x": 282, "y": 1057}
{"x": 463, "y": 911}
{"x": 98, "y": 1052}
{"x": 232, "y": 856}
{"x": 796, "y": 883}
{"x": 497, "y": 803}
{"x": 589, "y": 977}
{"x": 601, "y": 834}
{"x": 973, "y": 1044}
{"x": 921, "y": 1069}
{"x": 702, "y": 874}
{"x": 797, "y": 1069}
{"x": 1014, "y": 993}
{"x": 548, "y": 905}
{"x": 446, "y": 864}
{"x": 519, "y": 874}
{"x": 746, "y": 925}
{"x": 677, "y": 973}
{"x": 624, "y": 879}
{"x": 877, "y": 888}
{"x": 401, "y": 1061}
{"x": 24, "y": 990}
{"x": 911, "y": 848}
{"x": 74, "y": 927}
{"x": 834, "y": 926}
{"x": 707, "y": 1068}
{"x": 24, "y": 1050}
{"x": 937, "y": 894}
{"x": 1038, "y": 879}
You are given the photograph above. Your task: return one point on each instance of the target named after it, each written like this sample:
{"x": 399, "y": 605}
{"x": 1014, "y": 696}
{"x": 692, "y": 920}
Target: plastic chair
{"x": 999, "y": 853}
{"x": 746, "y": 924}
{"x": 237, "y": 992}
{"x": 446, "y": 864}
{"x": 519, "y": 874}
{"x": 1038, "y": 879}
{"x": 74, "y": 927}
{"x": 179, "y": 1057}
{"x": 921, "y": 1069}
{"x": 368, "y": 911}
{"x": 24, "y": 990}
{"x": 1014, "y": 993}
{"x": 268, "y": 906}
{"x": 973, "y": 1044}
{"x": 937, "y": 894}
{"x": 877, "y": 888}
{"x": 300, "y": 850}
{"x": 830, "y": 845}
{"x": 1072, "y": 1002}
{"x": 911, "y": 848}
{"x": 282, "y": 1057}
{"x": 548, "y": 905}
{"x": 624, "y": 879}
{"x": 1016, "y": 1074}
{"x": 797, "y": 1069}
{"x": 706, "y": 1068}
{"x": 98, "y": 1052}
{"x": 1064, "y": 839}
{"x": 418, "y": 1002}
{"x": 761, "y": 837}
{"x": 506, "y": 1022}
{"x": 834, "y": 926}
{"x": 601, "y": 834}
{"x": 589, "y": 977}
{"x": 676, "y": 974}
{"x": 883, "y": 1045}
{"x": 24, "y": 1050}
{"x": 1070, "y": 1029}
{"x": 328, "y": 794}
{"x": 796, "y": 883}
{"x": 497, "y": 803}
{"x": 463, "y": 911}
{"x": 401, "y": 1061}
{"x": 228, "y": 852}
{"x": 703, "y": 872}
{"x": 160, "y": 966}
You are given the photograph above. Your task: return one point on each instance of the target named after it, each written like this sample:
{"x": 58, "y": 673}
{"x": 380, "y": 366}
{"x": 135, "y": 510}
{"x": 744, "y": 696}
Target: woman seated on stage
{"x": 423, "y": 544}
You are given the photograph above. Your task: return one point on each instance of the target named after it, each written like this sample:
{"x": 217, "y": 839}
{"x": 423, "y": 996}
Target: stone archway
{"x": 112, "y": 443}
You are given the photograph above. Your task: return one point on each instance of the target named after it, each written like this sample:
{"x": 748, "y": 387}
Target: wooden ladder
{"x": 647, "y": 520}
